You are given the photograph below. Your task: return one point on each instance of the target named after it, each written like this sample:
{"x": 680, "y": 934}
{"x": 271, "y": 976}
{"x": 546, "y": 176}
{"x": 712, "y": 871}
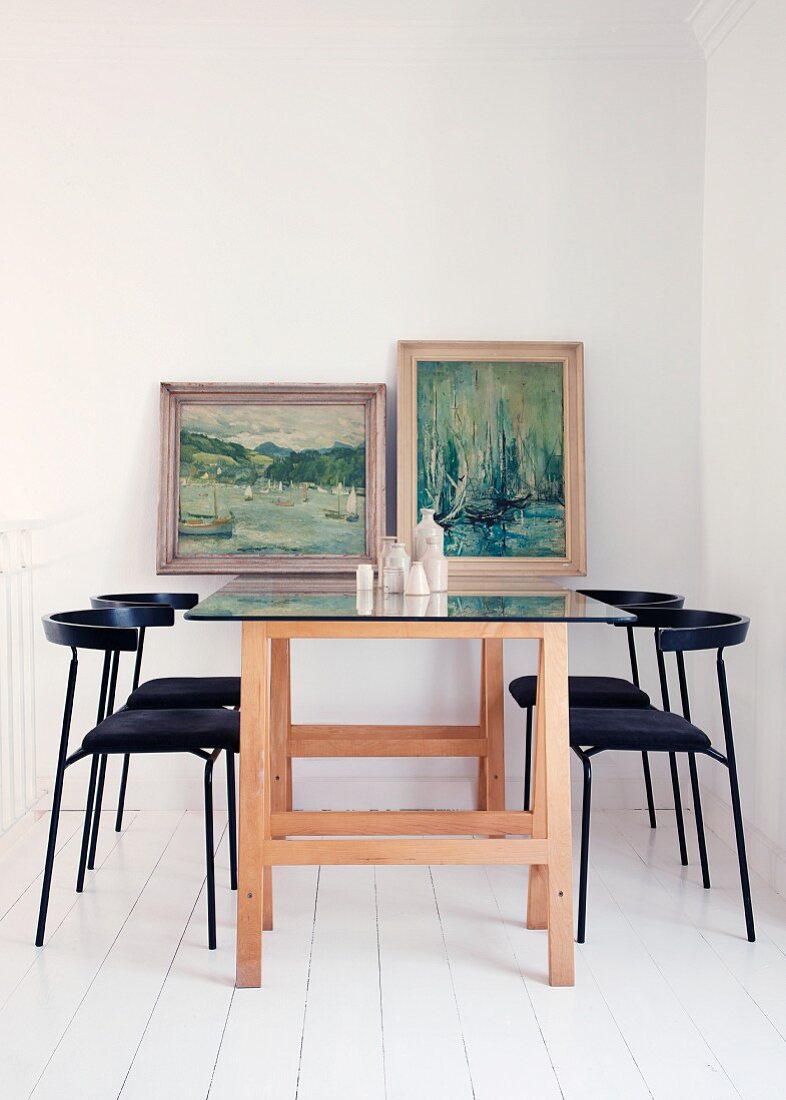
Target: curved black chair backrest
{"x": 629, "y": 600}
{"x": 622, "y": 598}
{"x": 679, "y": 630}
{"x": 112, "y": 629}
{"x": 179, "y": 601}
{"x": 171, "y": 601}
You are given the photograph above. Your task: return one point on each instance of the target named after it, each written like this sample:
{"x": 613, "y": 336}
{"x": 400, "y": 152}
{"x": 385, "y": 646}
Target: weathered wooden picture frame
{"x": 284, "y": 480}
{"x": 491, "y": 435}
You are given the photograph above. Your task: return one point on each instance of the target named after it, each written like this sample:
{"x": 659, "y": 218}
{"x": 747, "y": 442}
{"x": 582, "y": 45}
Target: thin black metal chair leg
{"x": 675, "y": 785}
{"x": 584, "y": 865}
{"x": 741, "y": 853}
{"x": 528, "y": 759}
{"x": 51, "y": 846}
{"x": 121, "y": 794}
{"x": 694, "y": 782}
{"x": 57, "y": 798}
{"x": 645, "y": 760}
{"x": 91, "y": 857}
{"x": 91, "y": 790}
{"x": 209, "y": 857}
{"x": 232, "y": 822}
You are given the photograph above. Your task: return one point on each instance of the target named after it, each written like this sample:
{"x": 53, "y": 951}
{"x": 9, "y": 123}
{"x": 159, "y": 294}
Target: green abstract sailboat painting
{"x": 491, "y": 439}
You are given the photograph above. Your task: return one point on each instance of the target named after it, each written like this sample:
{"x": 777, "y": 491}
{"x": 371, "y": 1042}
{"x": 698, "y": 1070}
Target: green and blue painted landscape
{"x": 272, "y": 480}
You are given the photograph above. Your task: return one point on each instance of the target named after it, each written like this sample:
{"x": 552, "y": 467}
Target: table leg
{"x": 279, "y": 730}
{"x": 557, "y": 744}
{"x": 253, "y": 820}
{"x": 537, "y": 910}
{"x": 482, "y": 799}
{"x": 288, "y": 760}
{"x": 493, "y": 722}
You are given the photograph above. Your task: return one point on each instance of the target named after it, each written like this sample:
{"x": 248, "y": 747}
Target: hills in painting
{"x": 201, "y": 454}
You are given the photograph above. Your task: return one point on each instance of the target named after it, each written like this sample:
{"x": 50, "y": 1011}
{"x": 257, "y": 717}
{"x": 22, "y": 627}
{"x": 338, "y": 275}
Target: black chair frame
{"x": 626, "y": 601}
{"x": 679, "y": 631}
{"x": 178, "y": 601}
{"x": 116, "y": 630}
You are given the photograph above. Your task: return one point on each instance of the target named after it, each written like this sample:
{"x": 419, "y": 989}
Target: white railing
{"x": 17, "y": 695}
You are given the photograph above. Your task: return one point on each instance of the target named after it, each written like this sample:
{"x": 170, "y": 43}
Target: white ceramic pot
{"x": 436, "y": 566}
{"x": 385, "y": 546}
{"x": 365, "y": 577}
{"x": 427, "y": 526}
{"x": 394, "y": 574}
{"x": 417, "y": 585}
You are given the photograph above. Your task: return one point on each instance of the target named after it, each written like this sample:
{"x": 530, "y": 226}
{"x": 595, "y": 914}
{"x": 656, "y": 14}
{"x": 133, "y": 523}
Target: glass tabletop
{"x": 252, "y": 598}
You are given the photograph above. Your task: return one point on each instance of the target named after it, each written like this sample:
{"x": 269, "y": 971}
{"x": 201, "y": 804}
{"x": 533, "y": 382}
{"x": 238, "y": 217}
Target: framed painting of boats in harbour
{"x": 491, "y": 436}
{"x": 273, "y": 479}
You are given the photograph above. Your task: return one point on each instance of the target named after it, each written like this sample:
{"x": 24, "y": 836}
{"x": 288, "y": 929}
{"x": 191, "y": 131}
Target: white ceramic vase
{"x": 436, "y": 565}
{"x": 385, "y": 546}
{"x": 394, "y": 574}
{"x": 428, "y": 526}
{"x": 417, "y": 584}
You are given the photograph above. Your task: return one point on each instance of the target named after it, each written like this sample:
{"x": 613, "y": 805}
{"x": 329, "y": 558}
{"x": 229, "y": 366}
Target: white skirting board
{"x": 764, "y": 857}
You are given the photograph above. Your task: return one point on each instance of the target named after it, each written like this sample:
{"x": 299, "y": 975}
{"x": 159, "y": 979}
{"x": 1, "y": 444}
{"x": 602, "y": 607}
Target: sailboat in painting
{"x": 352, "y": 506}
{"x": 336, "y": 513}
{"x": 215, "y": 525}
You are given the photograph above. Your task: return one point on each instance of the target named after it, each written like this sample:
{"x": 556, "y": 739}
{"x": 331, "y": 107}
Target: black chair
{"x": 595, "y": 730}
{"x": 603, "y": 691}
{"x": 203, "y": 732}
{"x": 169, "y": 691}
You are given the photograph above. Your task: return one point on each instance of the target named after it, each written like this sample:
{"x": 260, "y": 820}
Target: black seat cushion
{"x": 165, "y": 731}
{"x": 585, "y": 691}
{"x": 186, "y": 692}
{"x": 640, "y": 730}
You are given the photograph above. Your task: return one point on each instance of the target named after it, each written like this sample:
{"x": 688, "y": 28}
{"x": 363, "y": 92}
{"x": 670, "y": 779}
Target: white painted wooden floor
{"x": 394, "y": 983}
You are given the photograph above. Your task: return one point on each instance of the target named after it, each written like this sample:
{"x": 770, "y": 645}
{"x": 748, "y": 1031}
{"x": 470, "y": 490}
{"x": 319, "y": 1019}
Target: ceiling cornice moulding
{"x": 378, "y": 41}
{"x": 713, "y": 20}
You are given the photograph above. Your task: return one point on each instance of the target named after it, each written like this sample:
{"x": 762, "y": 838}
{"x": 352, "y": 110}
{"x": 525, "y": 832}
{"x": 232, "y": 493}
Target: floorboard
{"x": 341, "y": 1055}
{"x": 39, "y": 1011}
{"x": 421, "y": 1059}
{"x": 182, "y": 1036}
{"x": 391, "y": 983}
{"x": 259, "y": 1054}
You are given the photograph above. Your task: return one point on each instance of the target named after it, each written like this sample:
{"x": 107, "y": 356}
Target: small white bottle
{"x": 407, "y": 561}
{"x": 427, "y": 526}
{"x": 436, "y": 565}
{"x": 385, "y": 545}
{"x": 417, "y": 584}
{"x": 394, "y": 571}
{"x": 364, "y": 577}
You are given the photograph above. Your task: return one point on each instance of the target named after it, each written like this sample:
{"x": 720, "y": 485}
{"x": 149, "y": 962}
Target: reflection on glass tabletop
{"x": 255, "y": 598}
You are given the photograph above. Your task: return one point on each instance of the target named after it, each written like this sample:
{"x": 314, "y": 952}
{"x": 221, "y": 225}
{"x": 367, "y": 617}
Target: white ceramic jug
{"x": 427, "y": 526}
{"x": 436, "y": 565}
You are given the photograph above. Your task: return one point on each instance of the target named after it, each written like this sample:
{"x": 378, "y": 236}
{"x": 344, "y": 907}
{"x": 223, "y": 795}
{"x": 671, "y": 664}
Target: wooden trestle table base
{"x": 540, "y": 838}
{"x": 270, "y": 834}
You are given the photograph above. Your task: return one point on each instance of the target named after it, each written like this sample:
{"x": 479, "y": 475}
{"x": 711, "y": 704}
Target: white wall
{"x": 743, "y": 402}
{"x": 281, "y": 212}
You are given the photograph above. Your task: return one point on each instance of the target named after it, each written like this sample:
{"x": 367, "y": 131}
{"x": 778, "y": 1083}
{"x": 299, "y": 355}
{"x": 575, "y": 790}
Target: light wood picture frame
{"x": 279, "y": 480}
{"x": 491, "y": 435}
